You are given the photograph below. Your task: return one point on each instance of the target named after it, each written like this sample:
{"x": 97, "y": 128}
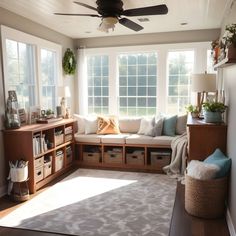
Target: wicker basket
{"x": 205, "y": 198}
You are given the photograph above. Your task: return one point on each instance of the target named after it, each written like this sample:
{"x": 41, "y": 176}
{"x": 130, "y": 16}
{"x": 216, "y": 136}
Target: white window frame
{"x": 200, "y": 66}
{"x": 38, "y": 43}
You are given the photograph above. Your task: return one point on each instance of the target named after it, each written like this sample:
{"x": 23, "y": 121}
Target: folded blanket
{"x": 177, "y": 165}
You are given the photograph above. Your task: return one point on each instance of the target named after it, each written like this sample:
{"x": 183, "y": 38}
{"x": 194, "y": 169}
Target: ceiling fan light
{"x": 107, "y": 24}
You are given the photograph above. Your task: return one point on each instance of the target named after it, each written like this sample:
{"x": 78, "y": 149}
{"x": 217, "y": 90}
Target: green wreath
{"x": 69, "y": 62}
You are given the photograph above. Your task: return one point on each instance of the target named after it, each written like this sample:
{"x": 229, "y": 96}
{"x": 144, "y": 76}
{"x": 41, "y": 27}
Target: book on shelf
{"x": 36, "y": 144}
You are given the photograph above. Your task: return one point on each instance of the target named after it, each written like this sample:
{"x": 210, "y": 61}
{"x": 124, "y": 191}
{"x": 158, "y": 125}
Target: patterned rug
{"x": 101, "y": 203}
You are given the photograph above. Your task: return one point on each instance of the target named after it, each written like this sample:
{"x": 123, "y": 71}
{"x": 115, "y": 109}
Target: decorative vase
{"x": 12, "y": 112}
{"x": 212, "y": 117}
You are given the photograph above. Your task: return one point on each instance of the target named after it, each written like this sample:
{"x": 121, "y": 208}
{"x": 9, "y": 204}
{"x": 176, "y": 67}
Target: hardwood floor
{"x": 182, "y": 224}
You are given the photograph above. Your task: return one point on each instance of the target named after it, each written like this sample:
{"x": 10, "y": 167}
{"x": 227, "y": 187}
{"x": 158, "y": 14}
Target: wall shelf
{"x": 230, "y": 58}
{"x": 225, "y": 62}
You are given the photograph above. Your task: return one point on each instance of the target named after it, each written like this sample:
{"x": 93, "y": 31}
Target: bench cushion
{"x": 114, "y": 138}
{"x": 139, "y": 139}
{"x": 163, "y": 140}
{"x": 147, "y": 140}
{"x": 88, "y": 138}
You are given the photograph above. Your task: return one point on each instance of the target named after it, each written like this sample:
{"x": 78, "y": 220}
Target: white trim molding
{"x": 230, "y": 223}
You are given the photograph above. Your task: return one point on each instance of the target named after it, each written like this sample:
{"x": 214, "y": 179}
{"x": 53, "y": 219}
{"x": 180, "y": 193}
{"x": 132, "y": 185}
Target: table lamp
{"x": 202, "y": 84}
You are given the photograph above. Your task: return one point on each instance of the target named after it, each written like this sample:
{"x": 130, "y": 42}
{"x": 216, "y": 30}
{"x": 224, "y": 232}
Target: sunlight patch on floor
{"x": 62, "y": 194}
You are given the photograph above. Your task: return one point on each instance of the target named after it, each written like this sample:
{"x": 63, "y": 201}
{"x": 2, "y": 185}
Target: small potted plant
{"x": 193, "y": 110}
{"x": 49, "y": 113}
{"x": 212, "y": 111}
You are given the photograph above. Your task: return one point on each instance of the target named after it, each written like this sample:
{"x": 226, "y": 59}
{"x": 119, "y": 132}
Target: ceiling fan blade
{"x": 85, "y": 5}
{"x": 130, "y": 24}
{"x": 144, "y": 11}
{"x": 71, "y": 14}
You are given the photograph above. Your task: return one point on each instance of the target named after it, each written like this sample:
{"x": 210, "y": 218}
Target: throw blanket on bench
{"x": 179, "y": 156}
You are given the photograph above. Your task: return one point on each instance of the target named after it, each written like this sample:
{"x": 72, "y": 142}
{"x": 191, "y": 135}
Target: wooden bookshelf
{"x": 22, "y": 144}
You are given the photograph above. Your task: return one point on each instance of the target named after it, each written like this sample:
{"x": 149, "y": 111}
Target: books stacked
{"x": 39, "y": 144}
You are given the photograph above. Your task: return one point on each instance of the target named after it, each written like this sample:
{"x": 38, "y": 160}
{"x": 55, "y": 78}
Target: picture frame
{"x": 12, "y": 95}
{"x": 34, "y": 114}
{"x": 23, "y": 116}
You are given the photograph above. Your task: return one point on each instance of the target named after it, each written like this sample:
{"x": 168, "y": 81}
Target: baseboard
{"x": 3, "y": 190}
{"x": 230, "y": 223}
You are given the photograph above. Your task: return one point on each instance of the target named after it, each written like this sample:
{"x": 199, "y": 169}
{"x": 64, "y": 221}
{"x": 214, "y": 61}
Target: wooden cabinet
{"x": 48, "y": 148}
{"x": 204, "y": 138}
{"x": 123, "y": 156}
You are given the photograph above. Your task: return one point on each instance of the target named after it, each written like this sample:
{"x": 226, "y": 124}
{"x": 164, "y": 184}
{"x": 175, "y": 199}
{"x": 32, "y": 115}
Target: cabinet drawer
{"x": 93, "y": 157}
{"x": 159, "y": 160}
{"x": 39, "y": 162}
{"x": 59, "y": 139}
{"x": 68, "y": 137}
{"x": 47, "y": 169}
{"x": 59, "y": 160}
{"x": 38, "y": 174}
{"x": 135, "y": 158}
{"x": 113, "y": 157}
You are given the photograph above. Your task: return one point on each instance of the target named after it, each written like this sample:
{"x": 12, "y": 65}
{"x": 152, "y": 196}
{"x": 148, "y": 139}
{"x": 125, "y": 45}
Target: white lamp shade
{"x": 67, "y": 92}
{"x": 204, "y": 82}
{"x": 60, "y": 91}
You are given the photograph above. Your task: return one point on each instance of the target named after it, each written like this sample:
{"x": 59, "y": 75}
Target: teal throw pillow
{"x": 218, "y": 158}
{"x": 169, "y": 126}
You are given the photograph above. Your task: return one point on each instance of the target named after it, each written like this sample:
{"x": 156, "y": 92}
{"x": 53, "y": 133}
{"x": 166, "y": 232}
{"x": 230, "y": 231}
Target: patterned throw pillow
{"x": 108, "y": 125}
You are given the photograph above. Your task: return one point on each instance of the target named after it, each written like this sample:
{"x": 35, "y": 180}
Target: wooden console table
{"x": 204, "y": 138}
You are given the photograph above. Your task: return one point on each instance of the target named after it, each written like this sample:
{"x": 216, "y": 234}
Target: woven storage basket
{"x": 205, "y": 198}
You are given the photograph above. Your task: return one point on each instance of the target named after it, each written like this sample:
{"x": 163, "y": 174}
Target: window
{"x": 31, "y": 68}
{"x": 180, "y": 66}
{"x": 48, "y": 79}
{"x": 139, "y": 80}
{"x": 137, "y": 84}
{"x": 21, "y": 71}
{"x": 98, "y": 85}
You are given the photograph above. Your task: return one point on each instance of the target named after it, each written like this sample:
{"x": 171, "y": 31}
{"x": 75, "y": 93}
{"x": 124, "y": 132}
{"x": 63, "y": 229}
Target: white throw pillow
{"x": 80, "y": 123}
{"x": 146, "y": 126}
{"x": 91, "y": 125}
{"x": 129, "y": 125}
{"x": 181, "y": 124}
{"x": 201, "y": 170}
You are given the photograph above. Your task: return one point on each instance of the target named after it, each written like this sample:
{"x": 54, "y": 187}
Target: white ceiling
{"x": 199, "y": 14}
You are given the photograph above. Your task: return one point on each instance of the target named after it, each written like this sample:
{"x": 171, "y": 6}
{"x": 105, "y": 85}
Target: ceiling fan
{"x": 111, "y": 11}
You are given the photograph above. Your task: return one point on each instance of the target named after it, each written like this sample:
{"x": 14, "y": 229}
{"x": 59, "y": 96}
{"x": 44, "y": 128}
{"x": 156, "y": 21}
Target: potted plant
{"x": 49, "y": 113}
{"x": 194, "y": 110}
{"x": 212, "y": 111}
{"x": 229, "y": 40}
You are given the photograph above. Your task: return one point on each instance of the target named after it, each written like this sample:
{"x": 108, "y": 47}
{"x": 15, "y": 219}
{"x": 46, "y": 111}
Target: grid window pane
{"x": 21, "y": 72}
{"x": 98, "y": 84}
{"x": 180, "y": 66}
{"x": 131, "y": 81}
{"x": 49, "y": 79}
{"x": 137, "y": 84}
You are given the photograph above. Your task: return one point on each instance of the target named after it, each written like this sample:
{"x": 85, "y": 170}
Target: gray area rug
{"x": 101, "y": 203}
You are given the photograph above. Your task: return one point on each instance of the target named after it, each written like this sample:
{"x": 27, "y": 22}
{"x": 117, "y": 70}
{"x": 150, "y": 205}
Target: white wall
{"x": 14, "y": 21}
{"x": 148, "y": 39}
{"x": 229, "y": 77}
